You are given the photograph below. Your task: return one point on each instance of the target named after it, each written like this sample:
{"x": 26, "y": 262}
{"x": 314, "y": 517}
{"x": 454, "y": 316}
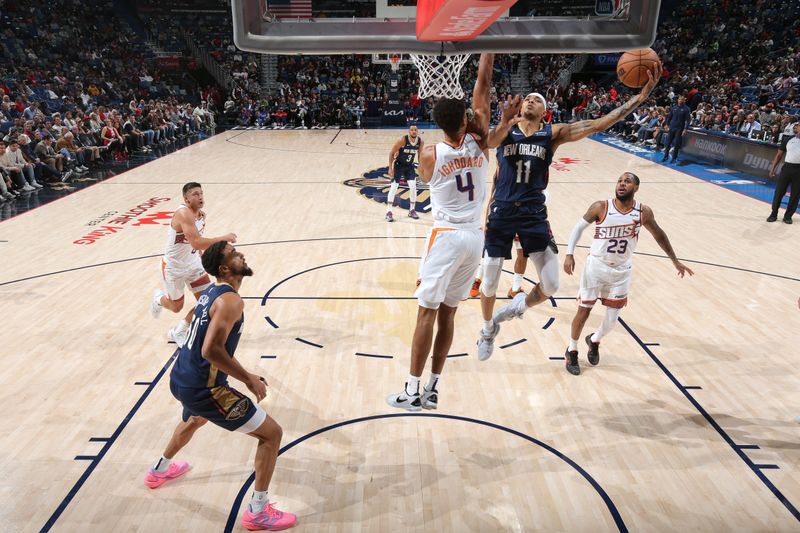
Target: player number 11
{"x": 527, "y": 166}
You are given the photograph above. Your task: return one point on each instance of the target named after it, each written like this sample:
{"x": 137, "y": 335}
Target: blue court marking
{"x": 107, "y": 446}
{"x": 713, "y": 423}
{"x": 142, "y": 383}
{"x": 549, "y": 322}
{"x": 85, "y": 457}
{"x": 692, "y": 387}
{"x": 652, "y": 344}
{"x": 748, "y": 446}
{"x": 308, "y": 342}
{"x": 269, "y": 357}
{"x": 756, "y": 188}
{"x": 271, "y": 322}
{"x": 612, "y": 509}
{"x": 510, "y": 344}
{"x": 562, "y": 358}
{"x": 378, "y": 356}
{"x": 768, "y": 467}
{"x": 334, "y": 137}
{"x": 457, "y": 355}
{"x": 99, "y": 439}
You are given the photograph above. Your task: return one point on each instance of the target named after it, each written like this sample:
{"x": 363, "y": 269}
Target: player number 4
{"x": 466, "y": 185}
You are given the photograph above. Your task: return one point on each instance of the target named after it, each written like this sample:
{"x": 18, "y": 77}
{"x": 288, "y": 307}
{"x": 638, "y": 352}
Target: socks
{"x": 488, "y": 325}
{"x": 517, "y": 283}
{"x": 573, "y": 345}
{"x": 412, "y": 186}
{"x": 392, "y": 192}
{"x": 433, "y": 382}
{"x": 162, "y": 465}
{"x": 259, "y": 500}
{"x": 412, "y": 385}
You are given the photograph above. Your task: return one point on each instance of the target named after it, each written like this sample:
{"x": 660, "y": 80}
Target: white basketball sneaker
{"x": 155, "y": 303}
{"x": 178, "y": 335}
{"x": 405, "y": 401}
{"x": 515, "y": 309}
{"x": 486, "y": 342}
{"x": 430, "y": 399}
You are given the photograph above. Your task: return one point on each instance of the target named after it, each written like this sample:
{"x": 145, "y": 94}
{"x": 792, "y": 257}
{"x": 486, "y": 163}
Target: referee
{"x": 790, "y": 176}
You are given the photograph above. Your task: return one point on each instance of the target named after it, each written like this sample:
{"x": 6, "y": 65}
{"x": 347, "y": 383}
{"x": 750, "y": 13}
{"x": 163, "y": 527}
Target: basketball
{"x": 633, "y": 65}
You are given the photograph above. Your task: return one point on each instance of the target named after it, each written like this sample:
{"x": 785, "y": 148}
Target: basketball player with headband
{"x": 525, "y": 149}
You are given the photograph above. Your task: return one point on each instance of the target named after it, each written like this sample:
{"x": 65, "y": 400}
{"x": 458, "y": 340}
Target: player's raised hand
{"x": 231, "y": 238}
{"x": 510, "y": 110}
{"x": 569, "y": 264}
{"x": 652, "y": 81}
{"x": 257, "y": 386}
{"x": 682, "y": 269}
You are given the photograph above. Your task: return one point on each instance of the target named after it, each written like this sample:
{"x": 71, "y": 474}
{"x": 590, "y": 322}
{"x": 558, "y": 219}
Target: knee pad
{"x": 492, "y": 267}
{"x": 546, "y": 264}
{"x": 549, "y": 283}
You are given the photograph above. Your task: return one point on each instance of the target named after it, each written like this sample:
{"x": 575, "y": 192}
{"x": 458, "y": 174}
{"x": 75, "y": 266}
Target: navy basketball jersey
{"x": 191, "y": 370}
{"x": 407, "y": 152}
{"x": 524, "y": 165}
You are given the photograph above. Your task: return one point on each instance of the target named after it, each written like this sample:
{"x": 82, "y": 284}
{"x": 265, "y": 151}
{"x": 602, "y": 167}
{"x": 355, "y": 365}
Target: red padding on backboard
{"x": 457, "y": 20}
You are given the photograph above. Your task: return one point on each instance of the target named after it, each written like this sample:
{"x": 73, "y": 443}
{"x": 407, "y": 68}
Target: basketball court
{"x": 687, "y": 423}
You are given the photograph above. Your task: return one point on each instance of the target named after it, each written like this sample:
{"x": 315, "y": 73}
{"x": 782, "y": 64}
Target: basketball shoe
{"x": 413, "y": 214}
{"x": 486, "y": 342}
{"x": 389, "y": 217}
{"x": 270, "y": 519}
{"x": 594, "y": 350}
{"x": 512, "y": 292}
{"x": 178, "y": 334}
{"x": 155, "y": 479}
{"x": 572, "y": 362}
{"x": 155, "y": 303}
{"x": 430, "y": 398}
{"x": 474, "y": 292}
{"x": 515, "y": 309}
{"x": 409, "y": 402}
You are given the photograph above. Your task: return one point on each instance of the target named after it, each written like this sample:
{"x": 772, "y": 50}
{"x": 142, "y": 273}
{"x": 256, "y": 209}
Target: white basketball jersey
{"x": 179, "y": 254}
{"x": 616, "y": 235}
{"x": 458, "y": 185}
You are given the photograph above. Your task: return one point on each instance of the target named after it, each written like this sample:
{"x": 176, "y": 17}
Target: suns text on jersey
{"x": 617, "y": 232}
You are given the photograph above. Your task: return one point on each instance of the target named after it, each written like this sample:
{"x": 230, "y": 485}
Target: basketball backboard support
{"x": 632, "y": 27}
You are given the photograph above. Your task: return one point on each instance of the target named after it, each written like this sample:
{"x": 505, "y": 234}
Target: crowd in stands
{"x": 67, "y": 107}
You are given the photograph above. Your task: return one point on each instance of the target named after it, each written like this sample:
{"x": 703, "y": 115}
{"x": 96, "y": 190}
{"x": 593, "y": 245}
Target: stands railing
{"x": 220, "y": 74}
{"x": 565, "y": 76}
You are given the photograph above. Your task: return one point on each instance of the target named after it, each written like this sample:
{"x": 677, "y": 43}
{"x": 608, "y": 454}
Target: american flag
{"x": 282, "y": 9}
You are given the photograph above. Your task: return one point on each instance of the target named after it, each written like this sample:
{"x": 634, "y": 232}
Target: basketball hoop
{"x": 438, "y": 75}
{"x": 394, "y": 61}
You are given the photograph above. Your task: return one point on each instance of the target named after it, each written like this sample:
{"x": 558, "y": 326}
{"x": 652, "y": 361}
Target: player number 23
{"x": 466, "y": 185}
{"x": 617, "y": 246}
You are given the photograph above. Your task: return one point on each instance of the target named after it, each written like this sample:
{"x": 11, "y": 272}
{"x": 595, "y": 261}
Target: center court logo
{"x": 375, "y": 184}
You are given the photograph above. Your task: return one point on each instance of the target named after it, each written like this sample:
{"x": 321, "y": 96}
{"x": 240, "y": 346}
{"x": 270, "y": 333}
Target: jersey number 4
{"x": 466, "y": 185}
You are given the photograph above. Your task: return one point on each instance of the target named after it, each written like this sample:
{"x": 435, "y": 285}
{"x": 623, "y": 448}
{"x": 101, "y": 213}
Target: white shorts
{"x": 609, "y": 284}
{"x": 194, "y": 278}
{"x": 448, "y": 266}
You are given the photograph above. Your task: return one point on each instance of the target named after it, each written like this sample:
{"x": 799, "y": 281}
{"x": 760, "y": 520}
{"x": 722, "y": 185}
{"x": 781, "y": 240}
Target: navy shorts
{"x": 528, "y": 220}
{"x": 404, "y": 173}
{"x": 222, "y": 405}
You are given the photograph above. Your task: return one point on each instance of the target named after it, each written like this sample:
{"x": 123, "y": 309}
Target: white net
{"x": 438, "y": 75}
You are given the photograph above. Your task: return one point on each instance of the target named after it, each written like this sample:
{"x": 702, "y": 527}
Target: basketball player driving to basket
{"x": 524, "y": 153}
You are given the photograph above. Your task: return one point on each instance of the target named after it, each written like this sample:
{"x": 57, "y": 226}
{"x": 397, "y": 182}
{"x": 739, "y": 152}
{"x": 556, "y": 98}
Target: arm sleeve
{"x": 575, "y": 236}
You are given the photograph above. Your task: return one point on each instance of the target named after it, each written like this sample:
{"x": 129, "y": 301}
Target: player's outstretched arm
{"x": 510, "y": 116}
{"x": 564, "y": 133}
{"x": 480, "y": 96}
{"x": 427, "y": 160}
{"x": 197, "y": 241}
{"x": 224, "y": 313}
{"x": 595, "y": 213}
{"x": 661, "y": 238}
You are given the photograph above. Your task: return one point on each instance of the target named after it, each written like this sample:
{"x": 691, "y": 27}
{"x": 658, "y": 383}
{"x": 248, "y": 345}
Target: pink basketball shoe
{"x": 270, "y": 519}
{"x": 155, "y": 479}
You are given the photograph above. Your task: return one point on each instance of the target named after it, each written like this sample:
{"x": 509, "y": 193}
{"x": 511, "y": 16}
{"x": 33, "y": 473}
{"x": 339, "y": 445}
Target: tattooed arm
{"x": 564, "y": 133}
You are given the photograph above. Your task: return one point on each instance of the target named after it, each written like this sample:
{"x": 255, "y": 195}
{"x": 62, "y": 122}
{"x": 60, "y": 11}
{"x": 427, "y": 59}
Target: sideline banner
{"x": 752, "y": 157}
